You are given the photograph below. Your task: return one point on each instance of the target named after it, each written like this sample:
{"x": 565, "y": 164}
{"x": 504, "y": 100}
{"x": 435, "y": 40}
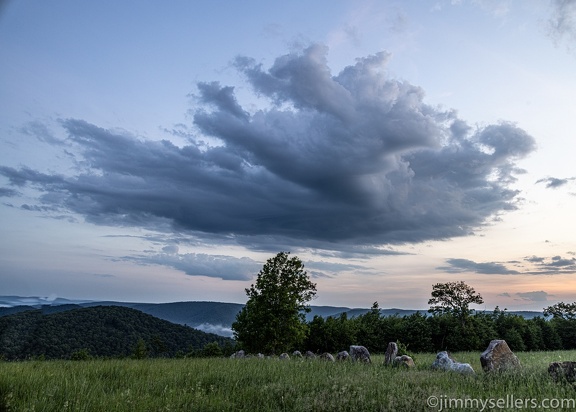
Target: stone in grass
{"x": 498, "y": 357}
{"x": 405, "y": 361}
{"x": 342, "y": 356}
{"x": 284, "y": 356}
{"x": 360, "y": 353}
{"x": 327, "y": 357}
{"x": 391, "y": 352}
{"x": 446, "y": 362}
{"x": 238, "y": 355}
{"x": 563, "y": 371}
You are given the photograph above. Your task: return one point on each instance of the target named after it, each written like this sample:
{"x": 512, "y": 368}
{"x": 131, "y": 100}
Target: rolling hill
{"x": 104, "y": 331}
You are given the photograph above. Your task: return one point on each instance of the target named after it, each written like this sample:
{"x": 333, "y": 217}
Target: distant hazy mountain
{"x": 211, "y": 317}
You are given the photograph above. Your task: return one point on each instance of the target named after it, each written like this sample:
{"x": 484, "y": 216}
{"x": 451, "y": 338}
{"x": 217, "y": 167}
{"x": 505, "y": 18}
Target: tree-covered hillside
{"x": 107, "y": 331}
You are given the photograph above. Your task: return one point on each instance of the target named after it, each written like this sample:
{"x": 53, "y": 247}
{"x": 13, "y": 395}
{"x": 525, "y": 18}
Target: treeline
{"x": 421, "y": 332}
{"x": 101, "y": 331}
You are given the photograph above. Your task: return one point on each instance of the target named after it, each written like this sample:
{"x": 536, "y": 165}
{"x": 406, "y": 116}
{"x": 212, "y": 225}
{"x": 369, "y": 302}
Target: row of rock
{"x": 497, "y": 357}
{"x": 356, "y": 354}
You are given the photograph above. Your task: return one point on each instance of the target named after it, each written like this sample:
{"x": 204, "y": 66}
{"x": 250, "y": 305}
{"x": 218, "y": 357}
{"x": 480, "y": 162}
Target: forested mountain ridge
{"x": 216, "y": 317}
{"x": 104, "y": 331}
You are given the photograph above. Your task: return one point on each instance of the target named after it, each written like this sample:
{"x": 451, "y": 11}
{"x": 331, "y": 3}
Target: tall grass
{"x": 263, "y": 385}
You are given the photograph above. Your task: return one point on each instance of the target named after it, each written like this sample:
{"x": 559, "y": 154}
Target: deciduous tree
{"x": 453, "y": 298}
{"x": 273, "y": 319}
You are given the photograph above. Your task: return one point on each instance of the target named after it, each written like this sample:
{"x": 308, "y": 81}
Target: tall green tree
{"x": 273, "y": 319}
{"x": 454, "y": 298}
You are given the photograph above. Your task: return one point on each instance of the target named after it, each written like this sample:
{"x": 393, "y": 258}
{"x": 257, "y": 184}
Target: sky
{"x": 163, "y": 151}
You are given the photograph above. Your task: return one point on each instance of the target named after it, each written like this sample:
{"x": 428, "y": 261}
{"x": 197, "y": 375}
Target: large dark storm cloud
{"x": 355, "y": 158}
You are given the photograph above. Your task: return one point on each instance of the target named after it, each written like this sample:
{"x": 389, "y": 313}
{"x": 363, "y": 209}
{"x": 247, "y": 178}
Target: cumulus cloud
{"x": 330, "y": 161}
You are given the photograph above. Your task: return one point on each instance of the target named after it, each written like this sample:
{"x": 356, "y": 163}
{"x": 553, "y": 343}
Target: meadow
{"x": 221, "y": 384}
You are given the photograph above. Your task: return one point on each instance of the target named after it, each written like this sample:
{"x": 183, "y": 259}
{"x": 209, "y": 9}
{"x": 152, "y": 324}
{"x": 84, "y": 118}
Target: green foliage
{"x": 272, "y": 321}
{"x": 423, "y": 333}
{"x": 101, "y": 331}
{"x": 81, "y": 355}
{"x": 211, "y": 350}
{"x": 561, "y": 310}
{"x": 140, "y": 350}
{"x": 453, "y": 298}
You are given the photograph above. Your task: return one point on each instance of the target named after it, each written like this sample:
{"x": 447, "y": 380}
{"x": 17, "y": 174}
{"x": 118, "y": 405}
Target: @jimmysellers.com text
{"x": 445, "y": 403}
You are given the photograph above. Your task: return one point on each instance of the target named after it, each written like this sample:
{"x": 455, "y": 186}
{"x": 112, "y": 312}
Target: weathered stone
{"x": 360, "y": 353}
{"x": 446, "y": 362}
{"x": 238, "y": 355}
{"x": 310, "y": 355}
{"x": 297, "y": 354}
{"x": 391, "y": 353}
{"x": 404, "y": 360}
{"x": 563, "y": 371}
{"x": 260, "y": 356}
{"x": 498, "y": 357}
{"x": 284, "y": 356}
{"x": 342, "y": 356}
{"x": 327, "y": 357}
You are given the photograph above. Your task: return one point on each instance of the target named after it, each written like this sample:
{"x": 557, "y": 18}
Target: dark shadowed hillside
{"x": 108, "y": 331}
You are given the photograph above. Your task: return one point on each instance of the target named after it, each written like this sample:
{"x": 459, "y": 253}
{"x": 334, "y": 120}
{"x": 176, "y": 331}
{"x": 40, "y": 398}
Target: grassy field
{"x": 274, "y": 385}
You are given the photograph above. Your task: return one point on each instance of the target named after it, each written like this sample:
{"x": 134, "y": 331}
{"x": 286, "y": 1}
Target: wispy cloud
{"x": 562, "y": 23}
{"x": 554, "y": 182}
{"x": 529, "y": 265}
{"x": 466, "y": 265}
{"x": 536, "y": 296}
{"x": 201, "y": 264}
{"x": 551, "y": 265}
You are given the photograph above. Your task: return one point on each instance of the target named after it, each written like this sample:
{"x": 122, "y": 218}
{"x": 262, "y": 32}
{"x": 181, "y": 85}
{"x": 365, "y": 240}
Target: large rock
{"x": 391, "y": 352}
{"x": 563, "y": 371}
{"x": 342, "y": 356}
{"x": 446, "y": 362}
{"x": 297, "y": 354}
{"x": 360, "y": 353}
{"x": 238, "y": 355}
{"x": 498, "y": 357}
{"x": 310, "y": 355}
{"x": 404, "y": 360}
{"x": 327, "y": 357}
{"x": 284, "y": 356}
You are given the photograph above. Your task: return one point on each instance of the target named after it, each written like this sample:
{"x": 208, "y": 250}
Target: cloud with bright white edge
{"x": 330, "y": 161}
